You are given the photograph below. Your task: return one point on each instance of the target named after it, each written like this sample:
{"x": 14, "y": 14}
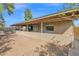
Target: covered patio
{"x": 43, "y": 24}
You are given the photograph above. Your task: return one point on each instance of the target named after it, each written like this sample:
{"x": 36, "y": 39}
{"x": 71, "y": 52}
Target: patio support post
{"x": 41, "y": 27}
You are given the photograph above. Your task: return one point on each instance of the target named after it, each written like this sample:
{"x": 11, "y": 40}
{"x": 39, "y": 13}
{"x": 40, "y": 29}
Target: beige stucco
{"x": 59, "y": 27}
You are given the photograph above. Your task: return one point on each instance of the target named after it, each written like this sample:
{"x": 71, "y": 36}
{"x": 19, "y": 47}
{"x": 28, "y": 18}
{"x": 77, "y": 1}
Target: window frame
{"x": 50, "y": 26}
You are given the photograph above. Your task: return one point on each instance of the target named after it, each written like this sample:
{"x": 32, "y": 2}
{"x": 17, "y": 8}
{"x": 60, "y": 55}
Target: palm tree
{"x": 28, "y": 14}
{"x": 5, "y": 6}
{"x": 8, "y": 6}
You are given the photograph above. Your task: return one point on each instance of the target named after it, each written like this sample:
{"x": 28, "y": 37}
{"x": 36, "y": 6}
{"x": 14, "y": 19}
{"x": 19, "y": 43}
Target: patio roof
{"x": 71, "y": 14}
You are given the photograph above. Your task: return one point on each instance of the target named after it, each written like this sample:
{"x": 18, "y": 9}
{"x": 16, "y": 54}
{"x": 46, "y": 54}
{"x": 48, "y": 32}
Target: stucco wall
{"x": 59, "y": 27}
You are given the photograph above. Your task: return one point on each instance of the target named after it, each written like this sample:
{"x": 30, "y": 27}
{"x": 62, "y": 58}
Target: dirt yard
{"x": 23, "y": 45}
{"x": 29, "y": 44}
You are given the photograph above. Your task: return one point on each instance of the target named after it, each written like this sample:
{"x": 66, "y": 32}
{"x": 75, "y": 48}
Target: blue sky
{"x": 37, "y": 9}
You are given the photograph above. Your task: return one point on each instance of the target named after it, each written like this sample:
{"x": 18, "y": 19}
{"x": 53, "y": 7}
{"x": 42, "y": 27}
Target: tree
{"x": 28, "y": 14}
{"x": 5, "y": 6}
{"x": 8, "y": 6}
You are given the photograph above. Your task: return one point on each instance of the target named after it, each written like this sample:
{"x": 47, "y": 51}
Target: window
{"x": 49, "y": 28}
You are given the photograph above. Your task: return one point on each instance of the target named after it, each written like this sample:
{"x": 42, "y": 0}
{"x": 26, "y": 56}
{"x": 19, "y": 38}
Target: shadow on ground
{"x": 5, "y": 44}
{"x": 51, "y": 49}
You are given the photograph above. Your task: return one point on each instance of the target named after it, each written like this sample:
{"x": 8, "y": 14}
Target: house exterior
{"x": 60, "y": 24}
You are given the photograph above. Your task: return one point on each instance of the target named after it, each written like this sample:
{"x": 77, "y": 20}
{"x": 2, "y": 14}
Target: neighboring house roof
{"x": 60, "y": 16}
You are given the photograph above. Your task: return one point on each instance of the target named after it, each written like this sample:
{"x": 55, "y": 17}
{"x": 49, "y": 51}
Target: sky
{"x": 37, "y": 10}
